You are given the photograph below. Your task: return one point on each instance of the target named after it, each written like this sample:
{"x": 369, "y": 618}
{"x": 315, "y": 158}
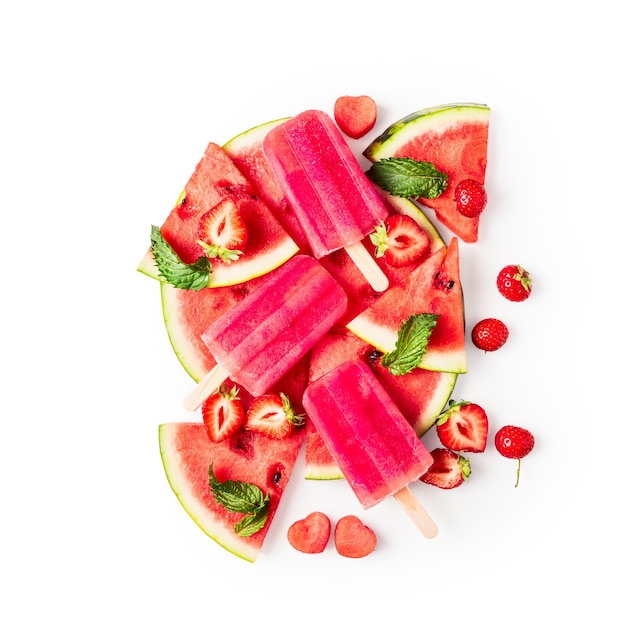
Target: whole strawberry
{"x": 490, "y": 334}
{"x": 470, "y": 197}
{"x": 514, "y": 283}
{"x": 514, "y": 442}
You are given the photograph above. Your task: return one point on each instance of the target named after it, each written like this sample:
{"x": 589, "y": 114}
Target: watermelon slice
{"x": 434, "y": 287}
{"x": 454, "y": 138}
{"x": 187, "y": 454}
{"x": 421, "y": 395}
{"x": 215, "y": 178}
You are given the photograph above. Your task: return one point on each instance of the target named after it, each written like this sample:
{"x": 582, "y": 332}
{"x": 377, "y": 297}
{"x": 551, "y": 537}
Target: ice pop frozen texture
{"x": 332, "y": 198}
{"x": 262, "y": 337}
{"x": 374, "y": 445}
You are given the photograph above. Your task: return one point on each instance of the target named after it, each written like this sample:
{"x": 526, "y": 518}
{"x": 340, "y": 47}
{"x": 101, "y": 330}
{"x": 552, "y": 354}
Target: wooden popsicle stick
{"x": 367, "y": 266}
{"x": 205, "y": 387}
{"x": 416, "y": 512}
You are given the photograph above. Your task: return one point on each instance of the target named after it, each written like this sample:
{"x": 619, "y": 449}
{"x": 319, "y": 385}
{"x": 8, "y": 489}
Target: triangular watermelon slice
{"x": 249, "y": 457}
{"x": 434, "y": 287}
{"x": 215, "y": 178}
{"x": 454, "y": 139}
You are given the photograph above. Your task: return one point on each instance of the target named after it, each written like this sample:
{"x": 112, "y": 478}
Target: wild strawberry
{"x": 355, "y": 115}
{"x": 400, "y": 240}
{"x": 223, "y": 413}
{"x": 272, "y": 415}
{"x": 490, "y": 334}
{"x": 222, "y": 231}
{"x": 311, "y": 534}
{"x": 449, "y": 469}
{"x": 463, "y": 427}
{"x": 514, "y": 442}
{"x": 514, "y": 283}
{"x": 353, "y": 538}
{"x": 471, "y": 198}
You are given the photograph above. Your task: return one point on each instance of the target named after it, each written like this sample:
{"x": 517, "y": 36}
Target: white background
{"x": 106, "y": 108}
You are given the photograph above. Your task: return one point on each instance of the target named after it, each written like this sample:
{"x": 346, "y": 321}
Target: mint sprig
{"x": 413, "y": 337}
{"x": 406, "y": 177}
{"x": 193, "y": 276}
{"x": 241, "y": 497}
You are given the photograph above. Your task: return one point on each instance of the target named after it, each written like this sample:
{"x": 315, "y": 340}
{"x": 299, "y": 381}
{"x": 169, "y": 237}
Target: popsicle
{"x": 375, "y": 447}
{"x": 332, "y": 198}
{"x": 265, "y": 334}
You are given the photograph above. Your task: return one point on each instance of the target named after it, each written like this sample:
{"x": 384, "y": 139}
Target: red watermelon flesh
{"x": 433, "y": 287}
{"x": 454, "y": 139}
{"x": 187, "y": 454}
{"x": 421, "y": 395}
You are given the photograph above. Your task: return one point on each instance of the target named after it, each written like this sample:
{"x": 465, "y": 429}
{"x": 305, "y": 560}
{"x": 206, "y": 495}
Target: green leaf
{"x": 241, "y": 497}
{"x": 183, "y": 275}
{"x": 406, "y": 177}
{"x": 413, "y": 337}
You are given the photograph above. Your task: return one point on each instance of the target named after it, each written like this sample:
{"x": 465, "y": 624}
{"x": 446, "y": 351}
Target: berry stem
{"x": 519, "y": 466}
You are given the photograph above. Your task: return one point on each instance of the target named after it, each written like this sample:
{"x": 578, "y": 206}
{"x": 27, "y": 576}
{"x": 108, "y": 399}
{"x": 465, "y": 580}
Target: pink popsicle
{"x": 261, "y": 338}
{"x": 374, "y": 445}
{"x": 325, "y": 186}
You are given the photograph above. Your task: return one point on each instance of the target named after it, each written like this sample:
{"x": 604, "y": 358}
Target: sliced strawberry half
{"x": 222, "y": 231}
{"x": 449, "y": 469}
{"x": 272, "y": 415}
{"x": 463, "y": 427}
{"x": 400, "y": 240}
{"x": 223, "y": 413}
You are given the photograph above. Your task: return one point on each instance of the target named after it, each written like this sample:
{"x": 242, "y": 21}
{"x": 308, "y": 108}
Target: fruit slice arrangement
{"x": 229, "y": 229}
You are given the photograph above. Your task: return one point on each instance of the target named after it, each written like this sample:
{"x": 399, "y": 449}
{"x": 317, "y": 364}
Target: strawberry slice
{"x": 223, "y": 413}
{"x": 311, "y": 534}
{"x": 400, "y": 240}
{"x": 449, "y": 469}
{"x": 463, "y": 427}
{"x": 272, "y": 415}
{"x": 222, "y": 231}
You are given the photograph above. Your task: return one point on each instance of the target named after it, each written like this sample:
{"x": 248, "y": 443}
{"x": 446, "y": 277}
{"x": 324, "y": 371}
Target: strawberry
{"x": 463, "y": 427}
{"x": 353, "y": 538}
{"x": 222, "y": 232}
{"x": 514, "y": 442}
{"x": 223, "y": 413}
{"x": 490, "y": 334}
{"x": 311, "y": 534}
{"x": 401, "y": 240}
{"x": 355, "y": 115}
{"x": 272, "y": 415}
{"x": 449, "y": 469}
{"x": 514, "y": 283}
{"x": 471, "y": 198}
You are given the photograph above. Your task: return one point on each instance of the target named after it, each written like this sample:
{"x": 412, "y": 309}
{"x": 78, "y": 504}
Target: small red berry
{"x": 471, "y": 198}
{"x": 514, "y": 283}
{"x": 514, "y": 442}
{"x": 490, "y": 334}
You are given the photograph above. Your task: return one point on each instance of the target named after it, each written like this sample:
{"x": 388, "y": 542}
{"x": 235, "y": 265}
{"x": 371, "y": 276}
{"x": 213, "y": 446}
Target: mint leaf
{"x": 413, "y": 337}
{"x": 405, "y": 177}
{"x": 241, "y": 497}
{"x": 173, "y": 270}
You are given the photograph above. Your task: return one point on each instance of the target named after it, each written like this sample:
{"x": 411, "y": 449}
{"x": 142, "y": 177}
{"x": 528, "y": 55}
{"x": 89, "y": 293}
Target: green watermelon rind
{"x": 192, "y": 360}
{"x": 432, "y": 118}
{"x": 194, "y": 507}
{"x": 234, "y": 145}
